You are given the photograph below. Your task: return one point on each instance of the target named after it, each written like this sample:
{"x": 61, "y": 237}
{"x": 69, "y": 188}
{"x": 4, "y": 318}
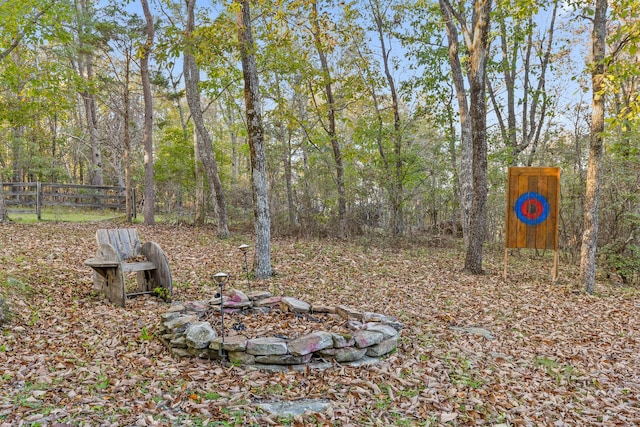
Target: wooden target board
{"x": 533, "y": 201}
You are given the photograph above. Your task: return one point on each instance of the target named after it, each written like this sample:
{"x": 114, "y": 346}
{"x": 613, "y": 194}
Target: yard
{"x": 547, "y": 355}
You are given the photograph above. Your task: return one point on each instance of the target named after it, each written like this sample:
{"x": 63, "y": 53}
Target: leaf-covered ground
{"x": 558, "y": 357}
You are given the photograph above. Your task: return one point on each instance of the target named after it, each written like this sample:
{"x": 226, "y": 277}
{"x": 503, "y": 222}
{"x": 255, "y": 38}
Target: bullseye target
{"x": 533, "y": 196}
{"x": 532, "y": 208}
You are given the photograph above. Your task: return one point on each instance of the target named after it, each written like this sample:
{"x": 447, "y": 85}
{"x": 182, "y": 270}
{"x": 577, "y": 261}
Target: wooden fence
{"x": 30, "y": 197}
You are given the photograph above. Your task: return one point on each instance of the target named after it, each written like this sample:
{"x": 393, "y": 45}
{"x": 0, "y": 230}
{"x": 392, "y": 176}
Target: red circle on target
{"x": 531, "y": 208}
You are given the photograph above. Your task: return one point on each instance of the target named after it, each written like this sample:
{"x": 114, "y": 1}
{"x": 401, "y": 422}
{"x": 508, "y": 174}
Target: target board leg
{"x": 554, "y": 273}
{"x": 506, "y": 256}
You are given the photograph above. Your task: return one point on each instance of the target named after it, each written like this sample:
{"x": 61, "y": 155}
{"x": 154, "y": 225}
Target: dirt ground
{"x": 549, "y": 356}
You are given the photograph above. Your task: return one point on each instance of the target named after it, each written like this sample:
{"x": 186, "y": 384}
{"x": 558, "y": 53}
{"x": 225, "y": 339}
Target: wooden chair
{"x": 120, "y": 252}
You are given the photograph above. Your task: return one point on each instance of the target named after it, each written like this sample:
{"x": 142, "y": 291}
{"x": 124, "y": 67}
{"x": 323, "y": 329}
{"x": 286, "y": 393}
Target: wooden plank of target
{"x": 541, "y": 229}
{"x": 532, "y": 185}
{"x": 512, "y": 190}
{"x": 554, "y": 214}
{"x": 508, "y": 214}
{"x": 521, "y": 228}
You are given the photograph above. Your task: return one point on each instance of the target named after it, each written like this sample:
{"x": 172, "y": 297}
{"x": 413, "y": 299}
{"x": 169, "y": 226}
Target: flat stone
{"x": 199, "y": 335}
{"x": 296, "y": 305}
{"x": 322, "y": 308}
{"x": 241, "y": 358}
{"x": 347, "y": 354}
{"x": 385, "y": 330}
{"x": 179, "y": 342}
{"x": 283, "y": 359}
{"x": 266, "y": 346}
{"x": 258, "y": 295}
{"x": 268, "y": 302}
{"x": 394, "y": 324}
{"x": 342, "y": 340}
{"x": 369, "y": 316}
{"x": 180, "y": 322}
{"x": 237, "y": 304}
{"x": 348, "y": 313}
{"x": 295, "y": 408}
{"x": 260, "y": 310}
{"x": 475, "y": 331}
{"x": 354, "y": 325}
{"x": 176, "y": 307}
{"x": 170, "y": 337}
{"x": 238, "y": 296}
{"x": 218, "y": 301}
{"x": 384, "y": 347}
{"x": 206, "y": 353}
{"x": 196, "y": 306}
{"x": 310, "y": 343}
{"x": 232, "y": 343}
{"x": 169, "y": 315}
{"x": 366, "y": 338}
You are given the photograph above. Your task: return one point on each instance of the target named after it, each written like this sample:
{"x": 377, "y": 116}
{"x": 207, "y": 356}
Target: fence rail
{"x": 35, "y": 195}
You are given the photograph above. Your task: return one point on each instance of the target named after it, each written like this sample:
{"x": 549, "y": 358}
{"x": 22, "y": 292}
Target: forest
{"x": 326, "y": 118}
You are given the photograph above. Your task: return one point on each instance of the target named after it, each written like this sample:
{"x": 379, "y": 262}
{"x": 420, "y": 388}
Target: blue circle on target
{"x": 532, "y": 208}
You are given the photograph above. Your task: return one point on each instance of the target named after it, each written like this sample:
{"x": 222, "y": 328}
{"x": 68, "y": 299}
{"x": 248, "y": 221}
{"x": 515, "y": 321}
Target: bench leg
{"x": 114, "y": 288}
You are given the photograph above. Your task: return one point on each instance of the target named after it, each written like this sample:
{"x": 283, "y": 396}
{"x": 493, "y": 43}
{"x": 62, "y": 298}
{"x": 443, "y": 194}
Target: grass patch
{"x": 67, "y": 214}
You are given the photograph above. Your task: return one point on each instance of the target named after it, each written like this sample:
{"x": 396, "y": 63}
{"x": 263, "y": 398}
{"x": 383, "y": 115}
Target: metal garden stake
{"x": 243, "y": 248}
{"x": 221, "y": 278}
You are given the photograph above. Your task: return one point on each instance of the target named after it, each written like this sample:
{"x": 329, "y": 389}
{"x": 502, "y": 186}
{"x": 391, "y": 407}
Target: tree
{"x": 203, "y": 139}
{"x": 20, "y": 23}
{"x": 330, "y": 125}
{"x": 149, "y": 189}
{"x": 473, "y": 118}
{"x": 124, "y": 34}
{"x": 395, "y": 166}
{"x": 262, "y": 219}
{"x": 86, "y": 47}
{"x": 596, "y": 142}
{"x": 518, "y": 51}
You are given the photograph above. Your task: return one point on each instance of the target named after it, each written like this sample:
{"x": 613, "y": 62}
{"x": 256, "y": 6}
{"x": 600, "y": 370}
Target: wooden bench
{"x": 120, "y": 252}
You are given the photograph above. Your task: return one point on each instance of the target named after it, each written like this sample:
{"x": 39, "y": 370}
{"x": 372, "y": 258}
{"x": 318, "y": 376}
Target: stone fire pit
{"x": 261, "y": 329}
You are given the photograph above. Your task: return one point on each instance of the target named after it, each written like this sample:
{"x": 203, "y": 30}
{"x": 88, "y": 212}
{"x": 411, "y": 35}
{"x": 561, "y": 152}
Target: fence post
{"x": 133, "y": 202}
{"x": 38, "y": 200}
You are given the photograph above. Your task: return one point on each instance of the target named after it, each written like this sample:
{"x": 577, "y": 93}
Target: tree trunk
{"x": 592, "y": 197}
{"x": 396, "y": 186}
{"x": 466, "y": 131}
{"x": 149, "y": 189}
{"x": 92, "y": 126}
{"x": 201, "y": 200}
{"x": 477, "y": 44}
{"x": 85, "y": 69}
{"x": 127, "y": 141}
{"x": 255, "y": 133}
{"x": 205, "y": 144}
{"x": 330, "y": 128}
{"x": 229, "y": 118}
{"x": 284, "y": 137}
